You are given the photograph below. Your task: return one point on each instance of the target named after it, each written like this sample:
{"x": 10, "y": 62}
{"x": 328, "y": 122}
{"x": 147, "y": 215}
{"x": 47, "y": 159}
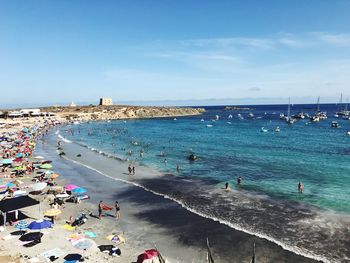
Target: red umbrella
{"x": 148, "y": 254}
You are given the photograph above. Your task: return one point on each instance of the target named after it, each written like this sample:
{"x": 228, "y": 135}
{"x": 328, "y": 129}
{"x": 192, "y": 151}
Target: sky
{"x": 174, "y": 52}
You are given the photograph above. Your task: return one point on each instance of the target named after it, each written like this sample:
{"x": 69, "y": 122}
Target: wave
{"x": 63, "y": 138}
{"x": 294, "y": 249}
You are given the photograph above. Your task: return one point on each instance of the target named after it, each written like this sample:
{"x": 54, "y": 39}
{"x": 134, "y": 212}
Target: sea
{"x": 229, "y": 144}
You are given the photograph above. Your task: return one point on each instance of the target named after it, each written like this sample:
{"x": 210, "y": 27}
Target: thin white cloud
{"x": 333, "y": 39}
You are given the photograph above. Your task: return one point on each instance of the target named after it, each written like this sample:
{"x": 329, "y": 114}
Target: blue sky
{"x": 179, "y": 51}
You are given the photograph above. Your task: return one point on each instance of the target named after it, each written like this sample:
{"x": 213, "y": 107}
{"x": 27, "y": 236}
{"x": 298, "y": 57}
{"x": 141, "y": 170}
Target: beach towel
{"x": 68, "y": 227}
{"x": 90, "y": 234}
{"x": 56, "y": 252}
{"x": 106, "y": 207}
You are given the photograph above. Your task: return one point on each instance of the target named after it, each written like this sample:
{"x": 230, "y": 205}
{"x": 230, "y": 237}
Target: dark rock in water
{"x": 192, "y": 157}
{"x": 62, "y": 153}
{"x": 78, "y": 155}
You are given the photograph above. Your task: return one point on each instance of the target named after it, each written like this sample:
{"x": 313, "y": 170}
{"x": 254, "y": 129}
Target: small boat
{"x": 348, "y": 133}
{"x": 175, "y": 119}
{"x": 263, "y": 129}
{"x": 217, "y": 117}
{"x": 240, "y": 116}
{"x": 230, "y": 116}
{"x": 300, "y": 115}
{"x": 335, "y": 124}
{"x": 319, "y": 115}
{"x": 277, "y": 129}
{"x": 250, "y": 115}
{"x": 289, "y": 119}
{"x": 76, "y": 123}
{"x": 346, "y": 117}
{"x": 209, "y": 125}
{"x": 282, "y": 116}
{"x": 336, "y": 115}
{"x": 202, "y": 119}
{"x": 229, "y": 122}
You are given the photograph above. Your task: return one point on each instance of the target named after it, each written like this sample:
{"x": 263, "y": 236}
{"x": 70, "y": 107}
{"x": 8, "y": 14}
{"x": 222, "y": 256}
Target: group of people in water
{"x": 240, "y": 180}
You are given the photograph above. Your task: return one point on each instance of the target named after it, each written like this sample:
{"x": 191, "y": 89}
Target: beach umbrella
{"x": 40, "y": 224}
{"x": 19, "y": 193}
{"x": 73, "y": 257}
{"x": 64, "y": 195}
{"x": 6, "y": 161}
{"x": 20, "y": 168}
{"x": 10, "y": 185}
{"x": 45, "y": 166}
{"x": 19, "y": 155}
{"x": 18, "y": 160}
{"x": 53, "y": 176}
{"x": 52, "y": 212}
{"x": 148, "y": 254}
{"x": 39, "y": 186}
{"x": 31, "y": 236}
{"x": 22, "y": 224}
{"x": 83, "y": 243}
{"x": 70, "y": 187}
{"x": 79, "y": 191}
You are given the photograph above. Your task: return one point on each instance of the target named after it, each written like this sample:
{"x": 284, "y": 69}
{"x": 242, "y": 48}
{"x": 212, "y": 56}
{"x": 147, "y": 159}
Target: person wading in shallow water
{"x": 239, "y": 180}
{"x": 133, "y": 170}
{"x": 300, "y": 187}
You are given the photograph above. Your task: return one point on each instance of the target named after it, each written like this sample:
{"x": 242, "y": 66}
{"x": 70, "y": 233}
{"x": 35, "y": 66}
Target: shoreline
{"x": 235, "y": 228}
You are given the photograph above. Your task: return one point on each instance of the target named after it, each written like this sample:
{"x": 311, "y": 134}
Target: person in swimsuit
{"x": 117, "y": 210}
{"x": 100, "y": 209}
{"x": 300, "y": 187}
{"x": 239, "y": 180}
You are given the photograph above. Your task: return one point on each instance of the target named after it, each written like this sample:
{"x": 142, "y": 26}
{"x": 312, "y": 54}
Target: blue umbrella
{"x": 40, "y": 224}
{"x": 10, "y": 185}
{"x": 79, "y": 191}
{"x": 19, "y": 155}
{"x": 6, "y": 161}
{"x": 22, "y": 224}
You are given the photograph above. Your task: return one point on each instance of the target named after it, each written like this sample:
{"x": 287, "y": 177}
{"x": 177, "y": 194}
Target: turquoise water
{"x": 270, "y": 163}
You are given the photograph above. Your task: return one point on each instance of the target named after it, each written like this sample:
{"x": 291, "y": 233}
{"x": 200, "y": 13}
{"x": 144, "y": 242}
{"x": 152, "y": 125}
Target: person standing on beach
{"x": 100, "y": 209}
{"x": 129, "y": 169}
{"x": 117, "y": 210}
{"x": 133, "y": 170}
{"x": 239, "y": 180}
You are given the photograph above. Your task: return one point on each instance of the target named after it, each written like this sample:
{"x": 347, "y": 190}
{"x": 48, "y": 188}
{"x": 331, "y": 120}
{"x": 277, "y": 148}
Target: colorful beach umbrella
{"x": 22, "y": 224}
{"x": 53, "y": 176}
{"x": 40, "y": 224}
{"x": 20, "y": 168}
{"x": 45, "y": 166}
{"x": 79, "y": 191}
{"x": 52, "y": 212}
{"x": 70, "y": 187}
{"x": 6, "y": 161}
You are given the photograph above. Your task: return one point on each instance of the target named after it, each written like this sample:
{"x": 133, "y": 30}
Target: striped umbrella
{"x": 22, "y": 224}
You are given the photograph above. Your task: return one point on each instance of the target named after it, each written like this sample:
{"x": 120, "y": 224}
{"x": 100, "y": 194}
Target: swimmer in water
{"x": 239, "y": 180}
{"x": 300, "y": 187}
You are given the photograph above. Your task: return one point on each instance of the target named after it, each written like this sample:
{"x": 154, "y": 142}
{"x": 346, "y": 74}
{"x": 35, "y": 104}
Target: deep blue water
{"x": 270, "y": 163}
